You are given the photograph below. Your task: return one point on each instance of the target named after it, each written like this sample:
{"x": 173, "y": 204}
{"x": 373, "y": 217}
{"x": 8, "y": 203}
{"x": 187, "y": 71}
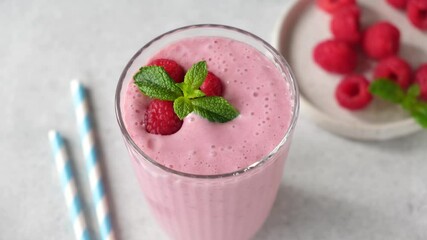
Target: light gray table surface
{"x": 333, "y": 188}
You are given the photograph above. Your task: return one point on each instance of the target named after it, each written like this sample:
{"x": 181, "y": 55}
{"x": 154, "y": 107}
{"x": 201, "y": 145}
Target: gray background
{"x": 333, "y": 188}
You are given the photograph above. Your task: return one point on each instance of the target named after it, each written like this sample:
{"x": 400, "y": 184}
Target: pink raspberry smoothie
{"x": 251, "y": 84}
{"x": 183, "y": 187}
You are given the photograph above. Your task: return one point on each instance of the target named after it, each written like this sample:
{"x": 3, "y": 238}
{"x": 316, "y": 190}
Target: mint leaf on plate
{"x": 196, "y": 75}
{"x": 391, "y": 91}
{"x": 154, "y": 82}
{"x": 413, "y": 91}
{"x": 215, "y": 109}
{"x": 182, "y": 107}
{"x": 387, "y": 90}
{"x": 411, "y": 98}
{"x": 419, "y": 112}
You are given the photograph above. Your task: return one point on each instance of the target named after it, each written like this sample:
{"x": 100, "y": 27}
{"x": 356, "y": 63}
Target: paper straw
{"x": 85, "y": 127}
{"x": 72, "y": 199}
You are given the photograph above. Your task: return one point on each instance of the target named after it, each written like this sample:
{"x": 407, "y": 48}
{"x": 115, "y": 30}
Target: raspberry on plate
{"x": 417, "y": 13}
{"x": 381, "y": 40}
{"x": 421, "y": 80}
{"x": 212, "y": 85}
{"x": 399, "y": 4}
{"x": 335, "y": 56}
{"x": 331, "y": 6}
{"x": 395, "y": 69}
{"x": 345, "y": 24}
{"x": 353, "y": 92}
{"x": 174, "y": 70}
{"x": 160, "y": 118}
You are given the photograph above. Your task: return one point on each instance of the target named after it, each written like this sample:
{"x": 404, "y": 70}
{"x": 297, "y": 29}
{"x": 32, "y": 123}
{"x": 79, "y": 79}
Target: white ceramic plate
{"x": 298, "y": 31}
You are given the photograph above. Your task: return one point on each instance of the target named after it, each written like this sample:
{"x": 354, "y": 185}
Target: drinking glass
{"x": 231, "y": 206}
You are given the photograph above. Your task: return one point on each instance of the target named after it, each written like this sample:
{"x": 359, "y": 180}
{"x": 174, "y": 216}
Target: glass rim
{"x": 255, "y": 165}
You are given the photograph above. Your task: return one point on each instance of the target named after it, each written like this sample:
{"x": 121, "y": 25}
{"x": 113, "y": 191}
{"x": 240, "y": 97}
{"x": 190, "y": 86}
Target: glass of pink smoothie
{"x": 210, "y": 180}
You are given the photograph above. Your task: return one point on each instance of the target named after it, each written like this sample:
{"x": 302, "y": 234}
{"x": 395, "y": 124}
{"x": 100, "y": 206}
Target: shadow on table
{"x": 403, "y": 145}
{"x": 299, "y": 215}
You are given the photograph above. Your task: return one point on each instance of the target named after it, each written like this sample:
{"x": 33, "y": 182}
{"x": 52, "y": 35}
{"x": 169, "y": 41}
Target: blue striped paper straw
{"x": 72, "y": 199}
{"x": 87, "y": 138}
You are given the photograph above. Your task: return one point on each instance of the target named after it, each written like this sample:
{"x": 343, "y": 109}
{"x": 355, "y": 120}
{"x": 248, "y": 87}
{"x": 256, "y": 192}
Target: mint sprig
{"x": 419, "y": 112}
{"x": 154, "y": 82}
{"x": 392, "y": 92}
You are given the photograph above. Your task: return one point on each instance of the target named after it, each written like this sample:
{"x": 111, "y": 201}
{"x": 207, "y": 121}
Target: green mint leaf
{"x": 215, "y": 109}
{"x": 196, "y": 94}
{"x": 182, "y": 107}
{"x": 413, "y": 91}
{"x": 184, "y": 87}
{"x": 411, "y": 97}
{"x": 419, "y": 112}
{"x": 387, "y": 90}
{"x": 154, "y": 82}
{"x": 408, "y": 103}
{"x": 189, "y": 92}
{"x": 196, "y": 75}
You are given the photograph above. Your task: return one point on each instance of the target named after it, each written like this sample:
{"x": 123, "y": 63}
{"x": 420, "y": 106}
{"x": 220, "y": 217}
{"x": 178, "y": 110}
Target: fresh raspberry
{"x": 399, "y": 4}
{"x": 160, "y": 118}
{"x": 335, "y": 56}
{"x": 395, "y": 69}
{"x": 417, "y": 13}
{"x": 381, "y": 40}
{"x": 345, "y": 25}
{"x": 332, "y": 6}
{"x": 353, "y": 92}
{"x": 421, "y": 79}
{"x": 175, "y": 71}
{"x": 212, "y": 85}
